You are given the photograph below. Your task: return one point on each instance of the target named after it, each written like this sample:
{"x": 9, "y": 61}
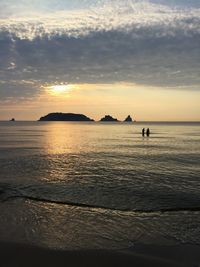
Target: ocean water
{"x": 99, "y": 185}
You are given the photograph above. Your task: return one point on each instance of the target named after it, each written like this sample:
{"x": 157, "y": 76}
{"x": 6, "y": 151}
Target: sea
{"x": 92, "y": 185}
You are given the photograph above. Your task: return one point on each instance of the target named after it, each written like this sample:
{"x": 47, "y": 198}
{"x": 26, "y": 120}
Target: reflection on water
{"x": 93, "y": 152}
{"x": 60, "y": 139}
{"x": 100, "y": 165}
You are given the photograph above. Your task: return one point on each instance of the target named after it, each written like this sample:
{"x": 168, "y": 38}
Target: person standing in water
{"x": 148, "y": 132}
{"x": 143, "y": 131}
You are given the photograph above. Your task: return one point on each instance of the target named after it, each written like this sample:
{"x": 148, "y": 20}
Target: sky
{"x": 98, "y": 57}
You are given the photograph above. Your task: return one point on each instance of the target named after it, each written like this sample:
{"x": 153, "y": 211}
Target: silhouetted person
{"x": 148, "y": 132}
{"x": 143, "y": 131}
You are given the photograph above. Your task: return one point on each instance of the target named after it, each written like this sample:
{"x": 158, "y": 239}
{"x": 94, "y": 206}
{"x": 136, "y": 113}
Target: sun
{"x": 60, "y": 89}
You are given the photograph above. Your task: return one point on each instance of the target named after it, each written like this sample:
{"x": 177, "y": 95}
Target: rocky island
{"x": 65, "y": 117}
{"x": 128, "y": 119}
{"x": 108, "y": 118}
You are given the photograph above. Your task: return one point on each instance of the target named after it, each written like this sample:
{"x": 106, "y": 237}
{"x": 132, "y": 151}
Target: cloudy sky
{"x": 97, "y": 57}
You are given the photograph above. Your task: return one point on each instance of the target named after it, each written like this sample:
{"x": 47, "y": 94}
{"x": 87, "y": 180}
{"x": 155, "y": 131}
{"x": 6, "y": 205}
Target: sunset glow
{"x": 95, "y": 57}
{"x": 99, "y": 133}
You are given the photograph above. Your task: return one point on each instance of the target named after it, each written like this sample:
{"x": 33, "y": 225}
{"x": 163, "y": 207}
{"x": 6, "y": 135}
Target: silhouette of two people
{"x": 147, "y": 132}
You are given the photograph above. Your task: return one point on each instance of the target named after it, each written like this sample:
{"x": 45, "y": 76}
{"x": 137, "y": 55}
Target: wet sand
{"x": 14, "y": 255}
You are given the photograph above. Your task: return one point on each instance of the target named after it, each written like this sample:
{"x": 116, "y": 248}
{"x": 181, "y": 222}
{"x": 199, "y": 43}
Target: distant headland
{"x": 58, "y": 116}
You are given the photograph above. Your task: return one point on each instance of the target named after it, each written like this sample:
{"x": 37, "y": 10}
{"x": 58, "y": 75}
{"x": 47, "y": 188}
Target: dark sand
{"x": 15, "y": 255}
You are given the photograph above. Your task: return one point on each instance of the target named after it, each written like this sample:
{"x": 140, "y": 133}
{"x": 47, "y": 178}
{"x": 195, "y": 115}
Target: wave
{"x": 102, "y": 207}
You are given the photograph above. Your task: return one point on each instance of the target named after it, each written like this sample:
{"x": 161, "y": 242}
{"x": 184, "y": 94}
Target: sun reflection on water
{"x": 60, "y": 139}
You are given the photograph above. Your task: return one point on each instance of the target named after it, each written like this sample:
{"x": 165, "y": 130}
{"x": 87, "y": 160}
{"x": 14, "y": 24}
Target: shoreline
{"x": 14, "y": 255}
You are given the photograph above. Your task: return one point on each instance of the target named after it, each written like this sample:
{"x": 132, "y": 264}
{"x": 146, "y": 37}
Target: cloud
{"x": 13, "y": 91}
{"x": 179, "y": 3}
{"x": 120, "y": 41}
{"x": 115, "y": 15}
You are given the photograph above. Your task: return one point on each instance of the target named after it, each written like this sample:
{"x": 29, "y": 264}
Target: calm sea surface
{"x": 94, "y": 185}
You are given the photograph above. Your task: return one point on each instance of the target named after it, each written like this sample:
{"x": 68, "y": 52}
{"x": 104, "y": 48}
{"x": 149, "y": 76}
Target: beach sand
{"x": 18, "y": 255}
